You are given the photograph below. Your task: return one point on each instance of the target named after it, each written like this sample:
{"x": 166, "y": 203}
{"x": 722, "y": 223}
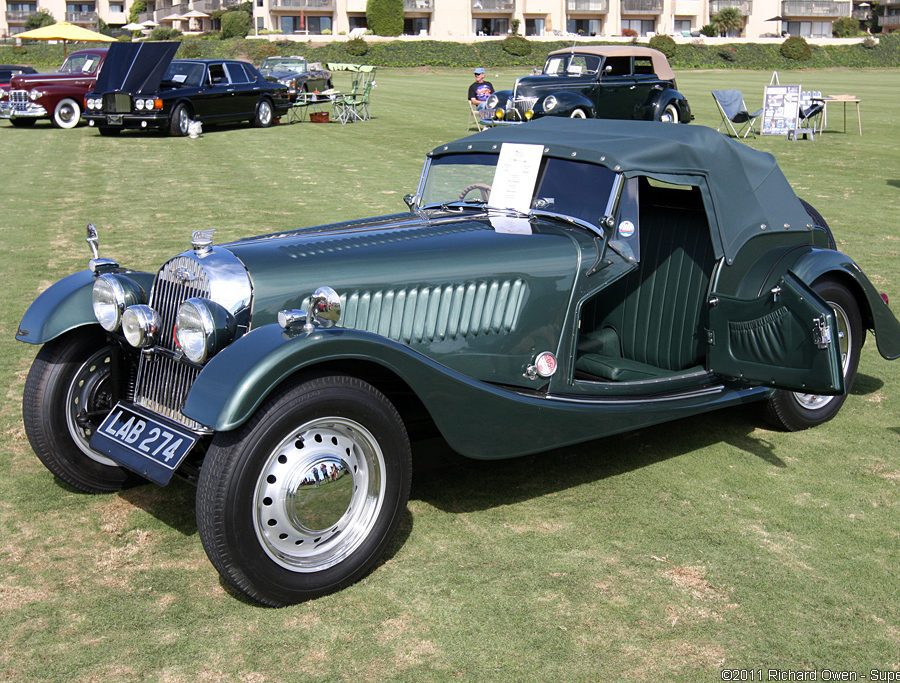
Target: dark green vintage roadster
{"x": 550, "y": 284}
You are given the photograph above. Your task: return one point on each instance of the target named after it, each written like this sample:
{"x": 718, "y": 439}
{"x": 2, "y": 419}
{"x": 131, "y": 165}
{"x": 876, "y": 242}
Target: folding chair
{"x": 810, "y": 118}
{"x": 476, "y": 121}
{"x": 734, "y": 112}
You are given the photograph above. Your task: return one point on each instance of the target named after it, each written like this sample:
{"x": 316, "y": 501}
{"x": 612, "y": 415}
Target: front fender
{"x": 567, "y": 102}
{"x": 503, "y": 97}
{"x": 477, "y": 419}
{"x": 816, "y": 263}
{"x": 65, "y": 305}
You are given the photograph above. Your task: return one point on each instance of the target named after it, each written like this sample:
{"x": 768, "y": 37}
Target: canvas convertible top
{"x": 744, "y": 190}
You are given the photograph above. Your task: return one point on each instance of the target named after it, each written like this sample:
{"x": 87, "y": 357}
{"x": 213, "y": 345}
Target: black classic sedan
{"x": 142, "y": 87}
{"x": 595, "y": 82}
{"x": 299, "y": 75}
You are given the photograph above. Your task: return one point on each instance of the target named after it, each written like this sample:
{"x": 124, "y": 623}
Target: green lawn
{"x": 668, "y": 553}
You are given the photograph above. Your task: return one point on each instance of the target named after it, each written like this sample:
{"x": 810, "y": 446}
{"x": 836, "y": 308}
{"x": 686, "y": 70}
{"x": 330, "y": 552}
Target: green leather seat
{"x": 649, "y": 323}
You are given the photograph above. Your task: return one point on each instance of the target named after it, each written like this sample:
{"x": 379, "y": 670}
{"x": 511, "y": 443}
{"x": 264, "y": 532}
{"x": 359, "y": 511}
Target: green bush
{"x": 137, "y": 7}
{"x": 796, "y": 48}
{"x": 664, "y": 44}
{"x": 125, "y": 38}
{"x": 164, "y": 33}
{"x": 385, "y": 17}
{"x": 357, "y": 47}
{"x": 235, "y": 24}
{"x": 190, "y": 49}
{"x": 845, "y": 27}
{"x": 869, "y": 43}
{"x": 40, "y": 18}
{"x": 728, "y": 53}
{"x": 709, "y": 31}
{"x": 516, "y": 46}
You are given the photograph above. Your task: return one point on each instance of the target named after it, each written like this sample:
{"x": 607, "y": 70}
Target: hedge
{"x": 406, "y": 54}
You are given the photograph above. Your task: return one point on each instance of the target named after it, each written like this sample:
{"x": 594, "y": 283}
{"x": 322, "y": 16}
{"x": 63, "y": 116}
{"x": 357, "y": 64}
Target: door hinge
{"x": 821, "y": 332}
{"x": 776, "y": 293}
{"x": 710, "y": 337}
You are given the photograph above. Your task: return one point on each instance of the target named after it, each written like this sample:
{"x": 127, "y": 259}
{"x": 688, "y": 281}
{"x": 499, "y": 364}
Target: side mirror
{"x": 411, "y": 201}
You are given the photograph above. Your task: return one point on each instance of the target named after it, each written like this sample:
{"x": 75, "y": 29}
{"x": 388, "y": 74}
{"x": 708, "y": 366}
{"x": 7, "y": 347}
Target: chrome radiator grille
{"x": 523, "y": 104}
{"x": 116, "y": 103}
{"x": 163, "y": 382}
{"x": 18, "y": 99}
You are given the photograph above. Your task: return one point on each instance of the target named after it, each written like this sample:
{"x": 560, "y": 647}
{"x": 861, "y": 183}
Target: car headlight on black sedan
{"x": 203, "y": 328}
{"x": 112, "y": 294}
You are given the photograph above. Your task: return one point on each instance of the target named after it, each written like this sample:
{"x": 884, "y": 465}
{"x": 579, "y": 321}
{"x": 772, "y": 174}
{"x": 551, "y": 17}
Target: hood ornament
{"x": 201, "y": 241}
{"x": 97, "y": 264}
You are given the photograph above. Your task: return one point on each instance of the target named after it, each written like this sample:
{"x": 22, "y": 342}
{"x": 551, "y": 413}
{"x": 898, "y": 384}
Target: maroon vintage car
{"x": 58, "y": 96}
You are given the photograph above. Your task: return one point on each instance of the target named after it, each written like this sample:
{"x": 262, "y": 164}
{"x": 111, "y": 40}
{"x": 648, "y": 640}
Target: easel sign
{"x": 781, "y": 109}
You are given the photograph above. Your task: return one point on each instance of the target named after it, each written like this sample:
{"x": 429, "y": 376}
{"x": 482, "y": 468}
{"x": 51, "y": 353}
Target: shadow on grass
{"x": 453, "y": 483}
{"x": 893, "y": 183}
{"x": 865, "y": 384}
{"x": 173, "y": 505}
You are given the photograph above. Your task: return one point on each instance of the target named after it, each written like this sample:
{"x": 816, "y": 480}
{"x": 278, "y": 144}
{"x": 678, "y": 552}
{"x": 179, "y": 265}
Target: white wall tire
{"x": 578, "y": 114}
{"x": 669, "y": 114}
{"x": 67, "y": 113}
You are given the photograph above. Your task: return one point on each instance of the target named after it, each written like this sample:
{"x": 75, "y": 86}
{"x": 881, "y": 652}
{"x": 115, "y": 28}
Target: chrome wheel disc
{"x": 318, "y": 494}
{"x": 88, "y": 401}
{"x": 66, "y": 113}
{"x": 845, "y": 341}
{"x": 669, "y": 115}
{"x": 265, "y": 113}
{"x": 183, "y": 121}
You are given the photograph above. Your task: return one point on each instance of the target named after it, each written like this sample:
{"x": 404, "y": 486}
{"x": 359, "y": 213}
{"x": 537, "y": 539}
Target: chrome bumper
{"x": 29, "y": 111}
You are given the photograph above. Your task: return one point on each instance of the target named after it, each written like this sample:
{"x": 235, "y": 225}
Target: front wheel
{"x": 67, "y": 113}
{"x": 180, "y": 121}
{"x": 793, "y": 411}
{"x": 669, "y": 114}
{"x": 67, "y": 394}
{"x": 304, "y": 498}
{"x": 264, "y": 114}
{"x": 578, "y": 114}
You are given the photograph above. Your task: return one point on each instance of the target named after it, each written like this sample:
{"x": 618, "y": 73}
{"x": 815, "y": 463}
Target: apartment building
{"x": 87, "y": 13}
{"x": 470, "y": 19}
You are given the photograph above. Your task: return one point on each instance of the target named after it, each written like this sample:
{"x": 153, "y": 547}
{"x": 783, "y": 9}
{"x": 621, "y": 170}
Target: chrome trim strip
{"x": 698, "y": 393}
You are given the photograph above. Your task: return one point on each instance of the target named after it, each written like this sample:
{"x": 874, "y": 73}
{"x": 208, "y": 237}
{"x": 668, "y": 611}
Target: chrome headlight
{"x": 148, "y": 104}
{"x": 492, "y": 102}
{"x": 35, "y": 94}
{"x": 90, "y": 102}
{"x": 203, "y": 328}
{"x": 2, "y": 94}
{"x": 550, "y": 103}
{"x": 139, "y": 104}
{"x": 111, "y": 295}
{"x": 140, "y": 325}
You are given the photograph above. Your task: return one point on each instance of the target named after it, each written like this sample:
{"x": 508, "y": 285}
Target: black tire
{"x": 109, "y": 132}
{"x": 22, "y": 123}
{"x": 178, "y": 124}
{"x": 66, "y": 114}
{"x": 819, "y": 220}
{"x": 68, "y": 376}
{"x": 265, "y": 114}
{"x": 793, "y": 411}
{"x": 275, "y": 530}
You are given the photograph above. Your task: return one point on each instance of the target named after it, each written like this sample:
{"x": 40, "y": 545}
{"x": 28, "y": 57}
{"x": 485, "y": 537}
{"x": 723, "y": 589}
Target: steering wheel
{"x": 483, "y": 188}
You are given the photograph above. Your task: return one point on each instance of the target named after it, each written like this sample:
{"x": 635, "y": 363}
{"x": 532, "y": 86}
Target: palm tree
{"x": 728, "y": 20}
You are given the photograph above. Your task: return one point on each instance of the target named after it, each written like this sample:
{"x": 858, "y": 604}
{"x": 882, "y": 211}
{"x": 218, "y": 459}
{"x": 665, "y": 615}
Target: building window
{"x": 534, "y": 26}
{"x": 260, "y": 23}
{"x": 809, "y": 29}
{"x": 305, "y": 24}
{"x": 414, "y": 26}
{"x": 640, "y": 26}
{"x": 80, "y": 7}
{"x": 357, "y": 21}
{"x": 116, "y": 8}
{"x": 682, "y": 25}
{"x": 583, "y": 27}
{"x": 22, "y": 7}
{"x": 490, "y": 27}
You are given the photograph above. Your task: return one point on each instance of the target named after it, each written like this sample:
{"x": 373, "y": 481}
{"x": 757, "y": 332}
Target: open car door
{"x": 785, "y": 339}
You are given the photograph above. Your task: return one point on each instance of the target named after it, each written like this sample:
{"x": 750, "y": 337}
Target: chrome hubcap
{"x": 670, "y": 115}
{"x": 318, "y": 494}
{"x": 88, "y": 401}
{"x": 66, "y": 113}
{"x": 183, "y": 121}
{"x": 845, "y": 342}
{"x": 265, "y": 113}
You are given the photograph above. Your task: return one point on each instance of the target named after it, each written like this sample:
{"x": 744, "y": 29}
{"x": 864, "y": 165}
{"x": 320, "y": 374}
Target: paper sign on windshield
{"x": 513, "y": 187}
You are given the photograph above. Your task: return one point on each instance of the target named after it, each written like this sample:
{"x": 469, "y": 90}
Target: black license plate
{"x": 114, "y": 119}
{"x": 148, "y": 445}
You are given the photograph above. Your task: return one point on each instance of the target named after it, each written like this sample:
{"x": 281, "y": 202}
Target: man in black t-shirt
{"x": 480, "y": 90}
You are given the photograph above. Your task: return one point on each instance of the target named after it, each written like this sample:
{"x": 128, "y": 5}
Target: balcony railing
{"x": 19, "y": 16}
{"x": 81, "y": 17}
{"x": 325, "y": 5}
{"x": 601, "y": 6}
{"x": 745, "y": 6}
{"x": 493, "y": 5}
{"x": 889, "y": 21}
{"x": 862, "y": 14}
{"x": 418, "y": 5}
{"x": 814, "y": 8}
{"x": 642, "y": 6}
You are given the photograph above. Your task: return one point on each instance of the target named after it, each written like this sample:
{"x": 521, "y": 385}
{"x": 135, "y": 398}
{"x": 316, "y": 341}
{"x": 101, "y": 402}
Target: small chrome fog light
{"x": 140, "y": 325}
{"x": 202, "y": 329}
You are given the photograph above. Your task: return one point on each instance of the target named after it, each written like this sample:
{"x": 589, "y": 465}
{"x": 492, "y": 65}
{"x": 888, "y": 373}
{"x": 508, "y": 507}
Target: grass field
{"x": 669, "y": 553}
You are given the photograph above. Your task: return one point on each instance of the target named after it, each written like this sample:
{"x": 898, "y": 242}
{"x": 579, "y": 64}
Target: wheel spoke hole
{"x": 267, "y": 501}
{"x": 271, "y": 479}
{"x": 282, "y": 458}
{"x": 318, "y": 438}
{"x": 300, "y": 542}
{"x": 298, "y": 444}
{"x": 272, "y": 522}
{"x": 334, "y": 440}
{"x": 282, "y": 536}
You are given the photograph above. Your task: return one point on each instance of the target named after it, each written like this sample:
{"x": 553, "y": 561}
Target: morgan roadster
{"x": 550, "y": 284}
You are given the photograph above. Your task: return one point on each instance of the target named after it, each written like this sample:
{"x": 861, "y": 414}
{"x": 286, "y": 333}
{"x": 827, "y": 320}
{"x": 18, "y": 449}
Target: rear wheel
{"x": 67, "y": 113}
{"x": 304, "y": 498}
{"x": 578, "y": 114}
{"x": 67, "y": 394}
{"x": 22, "y": 123}
{"x": 669, "y": 114}
{"x": 794, "y": 411}
{"x": 180, "y": 121}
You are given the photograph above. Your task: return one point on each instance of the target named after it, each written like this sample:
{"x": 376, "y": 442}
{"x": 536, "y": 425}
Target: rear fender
{"x": 667, "y": 97}
{"x": 818, "y": 263}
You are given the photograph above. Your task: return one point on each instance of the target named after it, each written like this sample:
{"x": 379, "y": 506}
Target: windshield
{"x": 572, "y": 188}
{"x": 184, "y": 73}
{"x": 571, "y": 65}
{"x": 84, "y": 64}
{"x": 281, "y": 64}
